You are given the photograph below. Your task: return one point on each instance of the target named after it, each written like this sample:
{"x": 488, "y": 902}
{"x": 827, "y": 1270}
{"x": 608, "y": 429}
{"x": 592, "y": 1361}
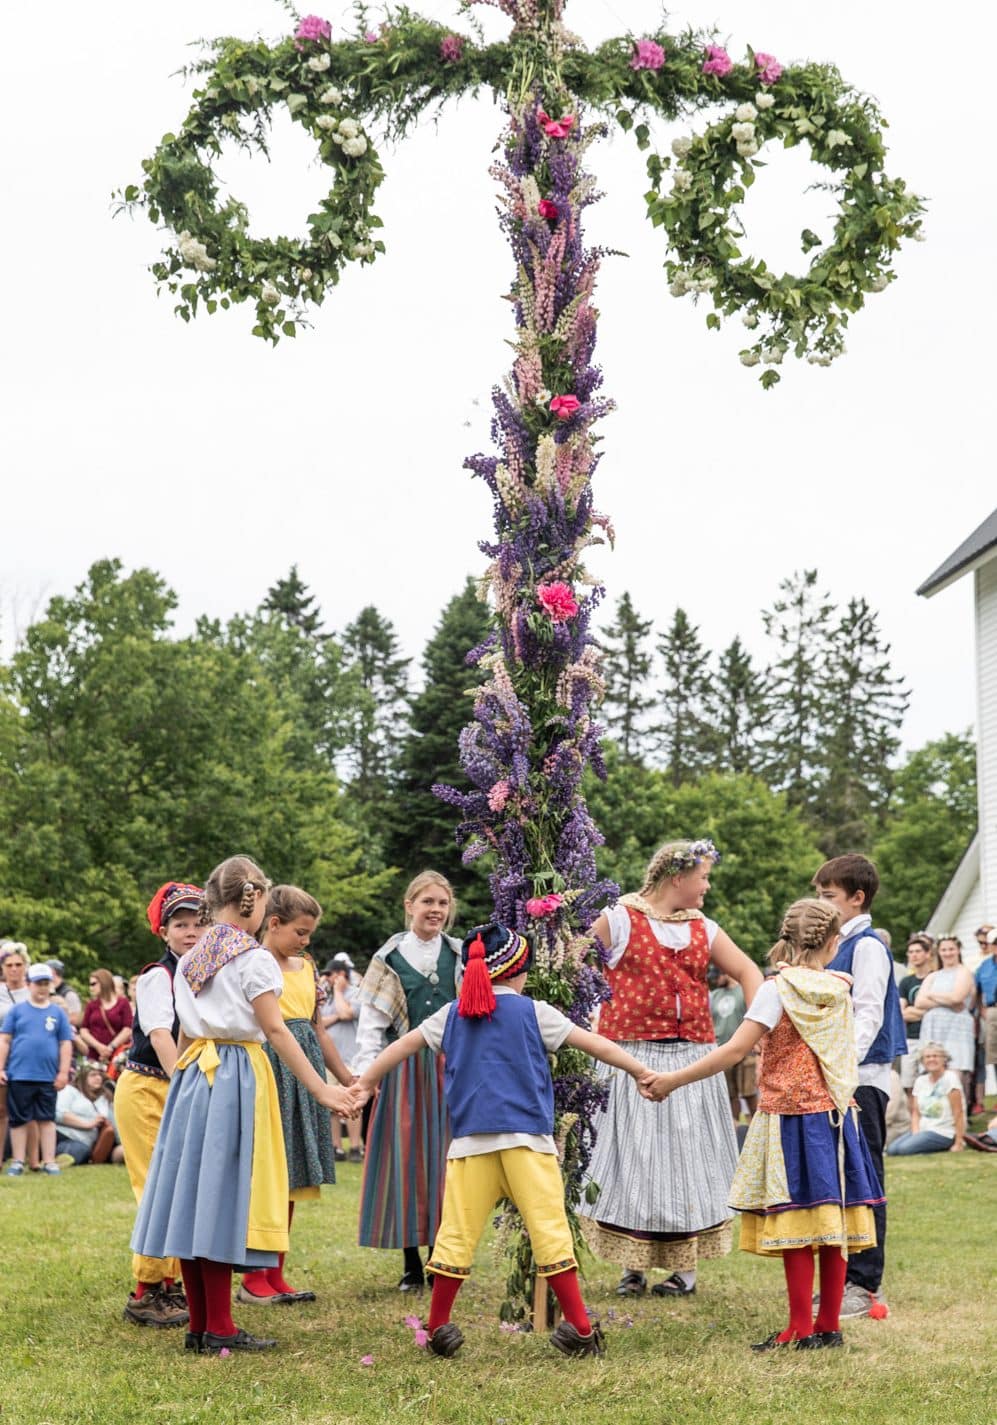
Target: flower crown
{"x": 687, "y": 858}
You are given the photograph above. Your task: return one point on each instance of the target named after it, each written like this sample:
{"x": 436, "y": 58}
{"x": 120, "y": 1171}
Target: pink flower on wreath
{"x": 769, "y": 68}
{"x": 564, "y": 407}
{"x": 559, "y": 600}
{"x": 540, "y": 907}
{"x": 556, "y": 128}
{"x": 371, "y": 37}
{"x": 499, "y": 795}
{"x": 451, "y": 48}
{"x": 313, "y": 27}
{"x": 718, "y": 61}
{"x": 548, "y": 210}
{"x": 647, "y": 54}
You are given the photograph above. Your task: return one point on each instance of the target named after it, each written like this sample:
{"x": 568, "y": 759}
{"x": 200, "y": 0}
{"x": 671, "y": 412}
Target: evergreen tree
{"x": 742, "y": 711}
{"x": 862, "y": 716}
{"x": 686, "y": 731}
{"x": 421, "y": 826}
{"x": 627, "y": 668}
{"x": 800, "y": 623}
{"x": 378, "y": 713}
{"x": 289, "y": 598}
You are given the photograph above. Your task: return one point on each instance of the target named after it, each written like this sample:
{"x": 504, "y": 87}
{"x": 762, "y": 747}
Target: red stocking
{"x": 217, "y": 1278}
{"x": 275, "y": 1275}
{"x": 445, "y": 1291}
{"x": 798, "y": 1264}
{"x": 564, "y": 1285}
{"x": 193, "y": 1285}
{"x": 833, "y": 1266}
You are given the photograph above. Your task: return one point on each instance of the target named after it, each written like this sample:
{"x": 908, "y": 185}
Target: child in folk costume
{"x": 663, "y": 1176}
{"x": 495, "y": 1043}
{"x": 805, "y": 1183}
{"x": 140, "y": 1096}
{"x": 292, "y": 915}
{"x": 217, "y": 1191}
{"x": 411, "y": 976}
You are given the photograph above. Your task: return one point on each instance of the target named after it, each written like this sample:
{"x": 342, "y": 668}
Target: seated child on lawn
{"x": 501, "y": 1100}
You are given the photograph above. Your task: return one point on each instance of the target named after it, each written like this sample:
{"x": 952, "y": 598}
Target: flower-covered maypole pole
{"x": 534, "y": 732}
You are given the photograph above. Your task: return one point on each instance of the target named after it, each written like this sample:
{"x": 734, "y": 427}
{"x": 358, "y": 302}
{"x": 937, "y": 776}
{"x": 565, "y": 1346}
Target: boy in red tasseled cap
{"x": 501, "y": 1100}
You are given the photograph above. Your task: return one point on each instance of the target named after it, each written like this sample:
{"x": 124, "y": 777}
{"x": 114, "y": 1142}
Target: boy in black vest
{"x": 501, "y": 1100}
{"x": 140, "y": 1097}
{"x": 850, "y": 883}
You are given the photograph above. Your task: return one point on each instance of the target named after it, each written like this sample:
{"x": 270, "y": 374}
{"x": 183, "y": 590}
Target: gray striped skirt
{"x": 663, "y": 1170}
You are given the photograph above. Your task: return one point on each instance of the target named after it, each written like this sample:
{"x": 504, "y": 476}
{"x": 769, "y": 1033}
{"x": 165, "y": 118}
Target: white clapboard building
{"x": 970, "y": 898}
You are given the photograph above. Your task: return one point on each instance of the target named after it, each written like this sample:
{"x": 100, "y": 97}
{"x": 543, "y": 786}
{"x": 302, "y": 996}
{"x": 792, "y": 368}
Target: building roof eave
{"x": 979, "y": 548}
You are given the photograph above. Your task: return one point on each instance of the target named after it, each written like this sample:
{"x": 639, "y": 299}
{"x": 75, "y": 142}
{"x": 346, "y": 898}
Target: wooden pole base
{"x": 546, "y": 1313}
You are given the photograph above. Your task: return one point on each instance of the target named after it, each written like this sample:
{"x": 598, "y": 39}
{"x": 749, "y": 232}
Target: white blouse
{"x": 673, "y": 934}
{"x": 373, "y": 1024}
{"x": 223, "y": 1009}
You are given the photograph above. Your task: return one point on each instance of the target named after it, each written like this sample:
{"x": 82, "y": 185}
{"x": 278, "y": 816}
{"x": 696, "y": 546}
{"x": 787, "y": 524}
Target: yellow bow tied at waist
{"x": 268, "y": 1193}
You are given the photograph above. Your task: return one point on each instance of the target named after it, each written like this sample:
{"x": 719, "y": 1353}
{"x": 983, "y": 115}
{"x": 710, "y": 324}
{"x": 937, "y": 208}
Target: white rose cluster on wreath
{"x": 710, "y": 173}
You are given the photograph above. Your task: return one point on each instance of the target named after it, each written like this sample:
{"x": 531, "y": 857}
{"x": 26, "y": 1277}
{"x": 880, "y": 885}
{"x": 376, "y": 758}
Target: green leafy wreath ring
{"x": 710, "y": 175}
{"x": 212, "y": 257}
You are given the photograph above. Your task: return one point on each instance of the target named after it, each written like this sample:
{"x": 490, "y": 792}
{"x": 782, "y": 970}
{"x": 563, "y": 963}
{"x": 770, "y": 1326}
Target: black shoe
{"x": 673, "y": 1286}
{"x": 339, "y": 1155}
{"x": 771, "y": 1343}
{"x": 412, "y": 1281}
{"x": 446, "y": 1340}
{"x": 194, "y": 1341}
{"x": 292, "y": 1297}
{"x": 820, "y": 1341}
{"x": 241, "y": 1341}
{"x": 632, "y": 1284}
{"x": 355, "y": 1155}
{"x": 570, "y": 1342}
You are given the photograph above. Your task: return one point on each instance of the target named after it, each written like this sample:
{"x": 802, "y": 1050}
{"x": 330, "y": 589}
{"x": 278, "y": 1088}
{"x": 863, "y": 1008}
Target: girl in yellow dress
{"x": 291, "y": 918}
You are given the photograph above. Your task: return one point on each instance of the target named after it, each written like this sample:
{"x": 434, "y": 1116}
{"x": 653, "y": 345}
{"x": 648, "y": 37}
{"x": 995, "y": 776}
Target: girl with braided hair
{"x": 805, "y": 1184}
{"x": 663, "y": 1176}
{"x": 217, "y": 1192}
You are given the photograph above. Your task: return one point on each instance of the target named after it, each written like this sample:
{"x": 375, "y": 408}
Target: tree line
{"x": 129, "y": 754}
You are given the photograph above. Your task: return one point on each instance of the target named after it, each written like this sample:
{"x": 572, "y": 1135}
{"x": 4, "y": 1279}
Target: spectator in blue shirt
{"x": 36, "y": 1048}
{"x": 986, "y": 1001}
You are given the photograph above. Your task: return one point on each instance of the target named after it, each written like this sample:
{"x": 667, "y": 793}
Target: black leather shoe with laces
{"x": 241, "y": 1341}
{"x": 771, "y": 1343}
{"x": 446, "y": 1340}
{"x": 570, "y": 1342}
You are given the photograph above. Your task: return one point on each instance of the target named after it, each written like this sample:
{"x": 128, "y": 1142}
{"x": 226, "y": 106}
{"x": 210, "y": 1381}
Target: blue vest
{"x": 892, "y": 1037}
{"x": 497, "y": 1077}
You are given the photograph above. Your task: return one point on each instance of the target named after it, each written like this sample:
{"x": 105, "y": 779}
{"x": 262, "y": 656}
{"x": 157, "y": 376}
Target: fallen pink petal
{"x": 366, "y": 1360}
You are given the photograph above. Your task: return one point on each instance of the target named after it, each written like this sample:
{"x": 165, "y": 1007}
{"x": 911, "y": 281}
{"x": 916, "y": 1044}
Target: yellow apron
{"x": 266, "y": 1229}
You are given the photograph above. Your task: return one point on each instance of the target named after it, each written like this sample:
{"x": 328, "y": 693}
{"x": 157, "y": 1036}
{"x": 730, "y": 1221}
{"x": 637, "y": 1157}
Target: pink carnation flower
{"x": 313, "y": 27}
{"x": 370, "y": 38}
{"x": 559, "y": 601}
{"x": 548, "y": 210}
{"x": 422, "y": 1338}
{"x": 499, "y": 795}
{"x": 769, "y": 68}
{"x": 555, "y": 128}
{"x": 564, "y": 407}
{"x": 647, "y": 54}
{"x": 540, "y": 907}
{"x": 451, "y": 48}
{"x": 718, "y": 61}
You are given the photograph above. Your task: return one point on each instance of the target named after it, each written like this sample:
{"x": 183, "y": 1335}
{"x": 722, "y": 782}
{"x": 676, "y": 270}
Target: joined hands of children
{"x": 346, "y": 1102}
{"x": 656, "y": 1087}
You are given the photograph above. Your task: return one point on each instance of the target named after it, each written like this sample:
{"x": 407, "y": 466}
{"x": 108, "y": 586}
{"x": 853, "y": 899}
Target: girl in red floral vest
{"x": 664, "y": 1177}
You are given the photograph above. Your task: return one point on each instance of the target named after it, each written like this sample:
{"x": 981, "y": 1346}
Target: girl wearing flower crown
{"x": 805, "y": 1184}
{"x": 664, "y": 1177}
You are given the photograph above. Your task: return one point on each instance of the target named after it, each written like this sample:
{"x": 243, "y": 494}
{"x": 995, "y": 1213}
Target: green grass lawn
{"x": 67, "y": 1357}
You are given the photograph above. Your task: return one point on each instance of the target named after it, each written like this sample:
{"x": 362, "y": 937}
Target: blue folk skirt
{"x": 196, "y": 1197}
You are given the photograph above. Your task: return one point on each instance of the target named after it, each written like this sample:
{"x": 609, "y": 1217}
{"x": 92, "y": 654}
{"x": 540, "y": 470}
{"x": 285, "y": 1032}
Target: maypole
{"x": 533, "y": 733}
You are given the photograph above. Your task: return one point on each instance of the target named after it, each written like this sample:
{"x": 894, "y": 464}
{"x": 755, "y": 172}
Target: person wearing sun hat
{"x": 140, "y": 1098}
{"x": 501, "y": 1098}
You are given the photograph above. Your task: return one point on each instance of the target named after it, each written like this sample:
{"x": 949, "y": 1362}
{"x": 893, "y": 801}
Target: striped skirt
{"x": 406, "y": 1156}
{"x": 307, "y": 1125}
{"x": 663, "y": 1169}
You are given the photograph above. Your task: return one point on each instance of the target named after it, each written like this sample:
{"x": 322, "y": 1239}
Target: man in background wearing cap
{"x": 140, "y": 1098}
{"x": 339, "y": 1019}
{"x": 65, "y": 995}
{"x": 500, "y": 1094}
{"x": 36, "y": 1049}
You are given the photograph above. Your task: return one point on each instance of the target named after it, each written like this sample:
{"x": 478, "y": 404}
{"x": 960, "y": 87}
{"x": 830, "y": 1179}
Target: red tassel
{"x": 477, "y": 998}
{"x": 154, "y": 910}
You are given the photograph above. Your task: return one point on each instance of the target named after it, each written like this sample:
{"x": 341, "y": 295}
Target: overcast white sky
{"x": 220, "y": 462}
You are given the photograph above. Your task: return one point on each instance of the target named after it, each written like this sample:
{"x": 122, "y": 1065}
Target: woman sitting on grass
{"x": 938, "y": 1113}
